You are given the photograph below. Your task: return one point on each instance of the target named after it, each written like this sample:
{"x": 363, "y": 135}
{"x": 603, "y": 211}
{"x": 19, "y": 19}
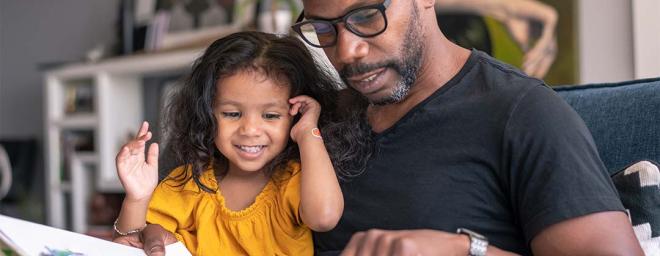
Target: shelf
{"x": 91, "y": 109}
{"x": 130, "y": 65}
{"x": 65, "y": 186}
{"x": 87, "y": 157}
{"x": 110, "y": 186}
{"x": 77, "y": 121}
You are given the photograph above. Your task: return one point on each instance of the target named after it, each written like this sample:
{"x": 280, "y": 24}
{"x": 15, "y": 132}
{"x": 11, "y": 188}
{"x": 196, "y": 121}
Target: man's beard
{"x": 407, "y": 66}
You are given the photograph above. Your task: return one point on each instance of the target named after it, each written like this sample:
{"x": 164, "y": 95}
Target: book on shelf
{"x": 19, "y": 237}
{"x": 74, "y": 142}
{"x": 78, "y": 140}
{"x": 79, "y": 98}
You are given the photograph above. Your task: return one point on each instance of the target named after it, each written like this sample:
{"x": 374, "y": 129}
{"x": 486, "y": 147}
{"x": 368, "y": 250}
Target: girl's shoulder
{"x": 286, "y": 181}
{"x": 177, "y": 195}
{"x": 289, "y": 171}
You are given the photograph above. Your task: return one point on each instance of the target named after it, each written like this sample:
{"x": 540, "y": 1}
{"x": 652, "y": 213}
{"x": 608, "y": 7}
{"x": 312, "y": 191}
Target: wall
{"x": 646, "y": 37}
{"x": 605, "y": 41}
{"x": 34, "y": 32}
{"x": 1, "y": 70}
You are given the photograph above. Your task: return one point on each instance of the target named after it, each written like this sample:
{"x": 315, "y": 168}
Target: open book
{"x": 19, "y": 237}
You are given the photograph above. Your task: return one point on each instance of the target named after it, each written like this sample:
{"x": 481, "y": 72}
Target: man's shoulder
{"x": 488, "y": 89}
{"x": 499, "y": 74}
{"x": 487, "y": 81}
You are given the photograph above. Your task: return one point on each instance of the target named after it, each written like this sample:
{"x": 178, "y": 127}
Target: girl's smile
{"x": 250, "y": 152}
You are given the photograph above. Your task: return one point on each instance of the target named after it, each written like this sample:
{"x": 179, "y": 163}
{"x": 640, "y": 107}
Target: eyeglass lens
{"x": 365, "y": 22}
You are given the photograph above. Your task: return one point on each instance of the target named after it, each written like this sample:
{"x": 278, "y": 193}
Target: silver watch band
{"x": 478, "y": 242}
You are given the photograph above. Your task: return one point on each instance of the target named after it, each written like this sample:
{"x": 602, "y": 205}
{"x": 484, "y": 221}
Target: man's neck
{"x": 442, "y": 62}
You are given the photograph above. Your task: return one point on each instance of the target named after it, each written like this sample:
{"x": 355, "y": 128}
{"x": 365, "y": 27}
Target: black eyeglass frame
{"x": 333, "y": 22}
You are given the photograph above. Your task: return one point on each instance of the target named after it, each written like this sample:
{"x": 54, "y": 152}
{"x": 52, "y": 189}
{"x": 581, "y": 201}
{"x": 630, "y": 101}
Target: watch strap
{"x": 478, "y": 242}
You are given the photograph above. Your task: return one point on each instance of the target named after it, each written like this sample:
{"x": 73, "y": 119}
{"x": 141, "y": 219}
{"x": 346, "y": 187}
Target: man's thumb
{"x": 155, "y": 237}
{"x": 155, "y": 249}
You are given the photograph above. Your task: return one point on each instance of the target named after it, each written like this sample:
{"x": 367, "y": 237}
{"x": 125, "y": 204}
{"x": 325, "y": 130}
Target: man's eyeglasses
{"x": 365, "y": 21}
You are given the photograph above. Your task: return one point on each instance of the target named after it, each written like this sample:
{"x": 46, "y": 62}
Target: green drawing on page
{"x": 8, "y": 252}
{"x": 56, "y": 252}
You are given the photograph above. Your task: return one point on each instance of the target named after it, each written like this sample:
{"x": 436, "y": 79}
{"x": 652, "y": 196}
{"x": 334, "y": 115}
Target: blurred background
{"x": 78, "y": 76}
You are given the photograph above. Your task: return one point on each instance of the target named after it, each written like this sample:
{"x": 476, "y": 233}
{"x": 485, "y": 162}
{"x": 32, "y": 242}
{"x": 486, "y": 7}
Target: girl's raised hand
{"x": 137, "y": 173}
{"x": 310, "y": 109}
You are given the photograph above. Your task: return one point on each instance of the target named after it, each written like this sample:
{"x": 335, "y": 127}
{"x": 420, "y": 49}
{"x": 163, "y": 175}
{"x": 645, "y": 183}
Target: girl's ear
{"x": 427, "y": 3}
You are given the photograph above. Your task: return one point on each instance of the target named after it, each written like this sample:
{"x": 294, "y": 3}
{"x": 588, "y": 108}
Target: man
{"x": 462, "y": 142}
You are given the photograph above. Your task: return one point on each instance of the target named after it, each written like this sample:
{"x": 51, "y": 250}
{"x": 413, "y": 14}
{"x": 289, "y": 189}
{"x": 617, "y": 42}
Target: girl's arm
{"x": 321, "y": 200}
{"x": 139, "y": 176}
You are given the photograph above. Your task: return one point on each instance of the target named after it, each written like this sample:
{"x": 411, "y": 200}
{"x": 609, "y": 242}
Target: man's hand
{"x": 132, "y": 240}
{"x": 152, "y": 240}
{"x": 407, "y": 242}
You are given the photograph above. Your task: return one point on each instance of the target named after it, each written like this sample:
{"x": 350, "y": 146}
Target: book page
{"x": 28, "y": 238}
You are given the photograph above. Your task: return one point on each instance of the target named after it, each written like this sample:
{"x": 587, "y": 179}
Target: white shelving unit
{"x": 116, "y": 112}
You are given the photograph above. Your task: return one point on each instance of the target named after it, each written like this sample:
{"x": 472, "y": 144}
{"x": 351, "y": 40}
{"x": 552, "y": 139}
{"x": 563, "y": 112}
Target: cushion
{"x": 639, "y": 189}
{"x": 622, "y": 117}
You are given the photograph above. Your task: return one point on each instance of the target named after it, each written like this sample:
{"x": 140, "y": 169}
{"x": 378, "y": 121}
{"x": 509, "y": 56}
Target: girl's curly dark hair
{"x": 190, "y": 124}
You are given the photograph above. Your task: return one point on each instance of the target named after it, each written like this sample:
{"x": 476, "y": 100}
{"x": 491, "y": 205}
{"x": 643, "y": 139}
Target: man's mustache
{"x": 361, "y": 68}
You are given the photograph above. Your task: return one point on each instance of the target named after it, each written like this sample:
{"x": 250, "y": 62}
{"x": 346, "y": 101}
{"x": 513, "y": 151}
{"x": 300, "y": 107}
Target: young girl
{"x": 256, "y": 176}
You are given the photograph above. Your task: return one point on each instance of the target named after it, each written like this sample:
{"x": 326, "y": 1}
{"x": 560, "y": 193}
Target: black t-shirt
{"x": 492, "y": 150}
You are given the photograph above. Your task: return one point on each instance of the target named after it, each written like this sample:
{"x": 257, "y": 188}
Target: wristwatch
{"x": 478, "y": 242}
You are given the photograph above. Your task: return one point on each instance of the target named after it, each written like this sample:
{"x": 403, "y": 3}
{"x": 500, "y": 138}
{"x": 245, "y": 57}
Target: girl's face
{"x": 253, "y": 120}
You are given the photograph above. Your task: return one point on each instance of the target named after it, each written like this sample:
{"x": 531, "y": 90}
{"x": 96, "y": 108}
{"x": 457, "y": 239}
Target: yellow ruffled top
{"x": 270, "y": 226}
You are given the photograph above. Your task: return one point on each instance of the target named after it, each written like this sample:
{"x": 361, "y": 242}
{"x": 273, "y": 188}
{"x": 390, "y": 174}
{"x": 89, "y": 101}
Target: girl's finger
{"x": 294, "y": 109}
{"x": 136, "y": 147}
{"x": 146, "y": 137}
{"x": 143, "y": 129}
{"x": 303, "y": 107}
{"x": 298, "y": 98}
{"x": 305, "y": 100}
{"x": 152, "y": 155}
{"x": 123, "y": 153}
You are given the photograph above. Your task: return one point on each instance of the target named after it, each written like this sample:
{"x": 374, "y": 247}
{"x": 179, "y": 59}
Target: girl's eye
{"x": 271, "y": 116}
{"x": 232, "y": 115}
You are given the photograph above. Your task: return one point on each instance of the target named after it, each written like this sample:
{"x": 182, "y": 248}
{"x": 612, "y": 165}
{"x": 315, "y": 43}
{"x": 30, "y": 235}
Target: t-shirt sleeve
{"x": 172, "y": 207}
{"x": 554, "y": 170}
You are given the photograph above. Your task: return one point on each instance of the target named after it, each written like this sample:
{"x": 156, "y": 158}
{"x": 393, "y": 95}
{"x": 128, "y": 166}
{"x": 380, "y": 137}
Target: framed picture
{"x": 276, "y": 16}
{"x": 528, "y": 34}
{"x": 196, "y": 23}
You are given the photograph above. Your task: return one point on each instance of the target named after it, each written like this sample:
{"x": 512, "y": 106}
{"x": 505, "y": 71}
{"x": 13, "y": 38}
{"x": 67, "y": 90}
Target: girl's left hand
{"x": 310, "y": 109}
{"x": 138, "y": 172}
